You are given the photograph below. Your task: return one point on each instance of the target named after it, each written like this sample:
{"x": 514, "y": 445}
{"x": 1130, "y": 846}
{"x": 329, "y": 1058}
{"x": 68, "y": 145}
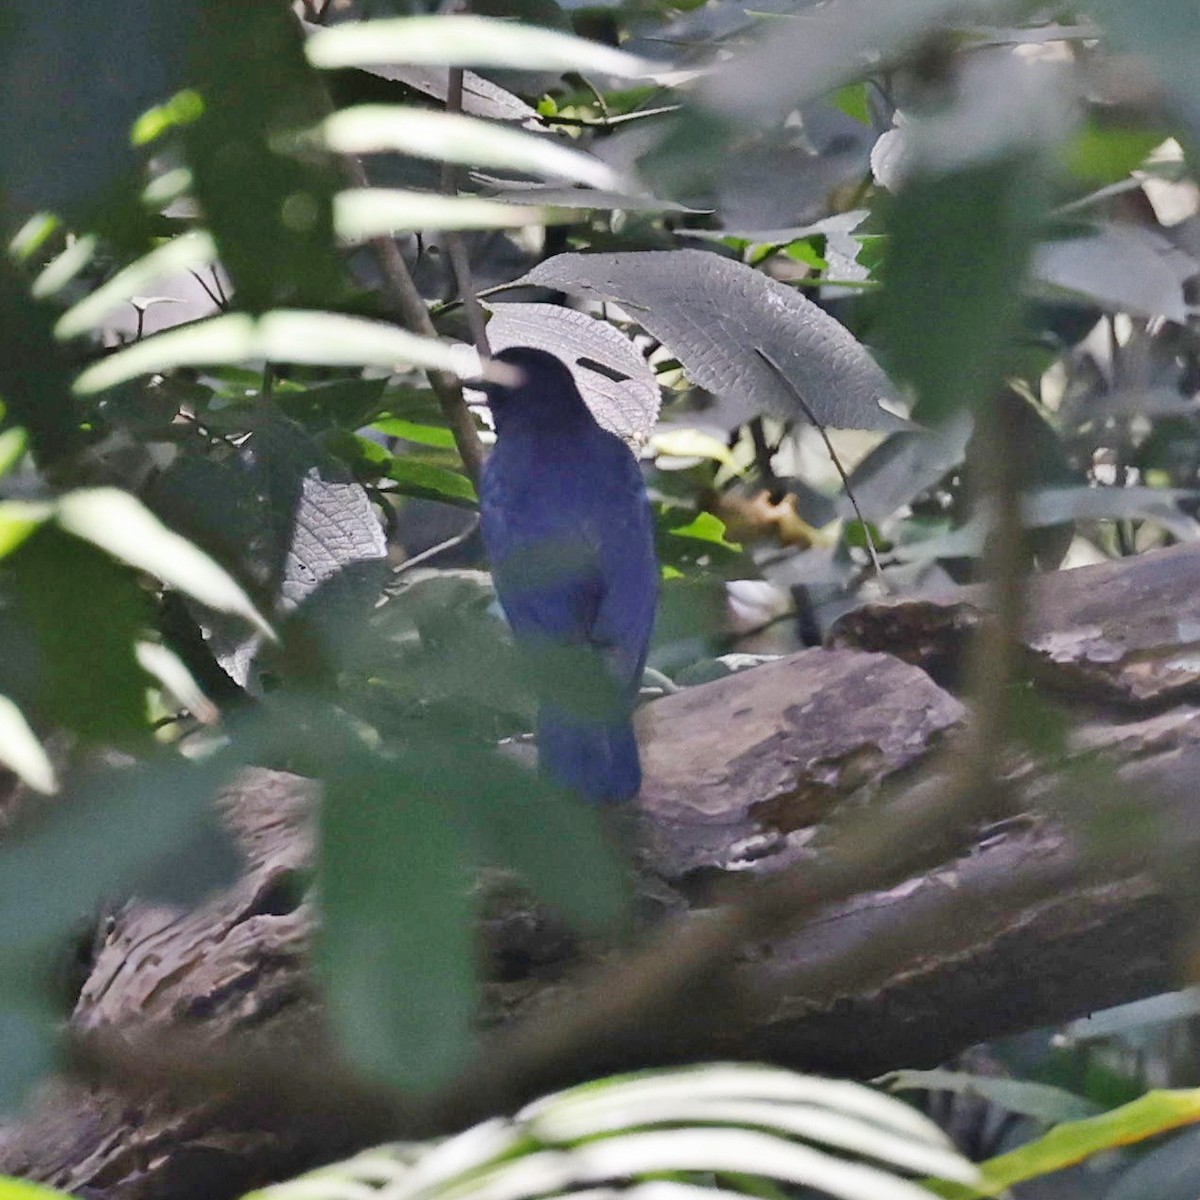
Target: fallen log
{"x": 1021, "y": 917}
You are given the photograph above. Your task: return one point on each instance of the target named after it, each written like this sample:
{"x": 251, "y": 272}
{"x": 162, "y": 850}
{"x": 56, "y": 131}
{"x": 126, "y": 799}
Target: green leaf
{"x": 18, "y": 519}
{"x": 270, "y": 211}
{"x": 396, "y": 946}
{"x": 415, "y": 478}
{"x": 362, "y": 213}
{"x": 316, "y": 338}
{"x": 425, "y": 435}
{"x": 118, "y": 522}
{"x": 1038, "y": 1100}
{"x": 1102, "y": 155}
{"x": 87, "y": 679}
{"x": 20, "y": 1189}
{"x": 1065, "y": 1145}
{"x": 13, "y": 444}
{"x": 852, "y": 100}
{"x": 451, "y": 137}
{"x": 705, "y": 527}
{"x": 467, "y": 41}
{"x": 21, "y": 752}
{"x": 691, "y": 443}
{"x": 951, "y": 307}
{"x": 190, "y": 250}
{"x": 344, "y": 404}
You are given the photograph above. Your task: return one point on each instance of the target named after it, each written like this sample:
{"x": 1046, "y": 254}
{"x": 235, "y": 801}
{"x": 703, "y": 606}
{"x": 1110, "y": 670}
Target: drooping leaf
{"x": 464, "y": 40}
{"x": 512, "y": 818}
{"x": 715, "y": 315}
{"x": 72, "y": 79}
{"x": 318, "y": 338}
{"x": 29, "y": 1056}
{"x": 396, "y": 945}
{"x": 269, "y": 210}
{"x": 451, "y": 137}
{"x": 13, "y": 444}
{"x": 615, "y": 381}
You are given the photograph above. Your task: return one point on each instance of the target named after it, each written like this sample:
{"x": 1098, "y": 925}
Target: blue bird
{"x": 570, "y": 537}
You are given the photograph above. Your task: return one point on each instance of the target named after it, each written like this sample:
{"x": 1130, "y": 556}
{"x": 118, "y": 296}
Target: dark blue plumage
{"x": 570, "y": 537}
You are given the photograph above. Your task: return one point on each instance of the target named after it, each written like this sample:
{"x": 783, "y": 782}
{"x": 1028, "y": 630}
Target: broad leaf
{"x": 717, "y": 316}
{"x": 415, "y": 478}
{"x": 451, "y": 137}
{"x": 464, "y": 40}
{"x": 615, "y": 381}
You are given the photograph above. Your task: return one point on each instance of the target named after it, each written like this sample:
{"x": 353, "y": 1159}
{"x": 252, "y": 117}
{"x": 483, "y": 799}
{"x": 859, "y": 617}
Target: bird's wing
{"x": 629, "y": 573}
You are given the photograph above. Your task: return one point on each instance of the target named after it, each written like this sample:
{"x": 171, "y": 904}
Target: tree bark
{"x": 1029, "y": 914}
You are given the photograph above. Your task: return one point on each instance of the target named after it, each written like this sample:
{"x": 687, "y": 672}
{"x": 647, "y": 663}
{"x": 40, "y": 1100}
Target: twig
{"x": 456, "y": 247}
{"x": 417, "y": 559}
{"x": 610, "y": 122}
{"x": 837, "y": 462}
{"x": 403, "y": 294}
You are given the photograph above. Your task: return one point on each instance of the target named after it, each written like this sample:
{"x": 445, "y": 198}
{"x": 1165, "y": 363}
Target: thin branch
{"x": 418, "y": 559}
{"x": 410, "y": 307}
{"x": 837, "y": 462}
{"x": 610, "y": 122}
{"x": 456, "y": 246}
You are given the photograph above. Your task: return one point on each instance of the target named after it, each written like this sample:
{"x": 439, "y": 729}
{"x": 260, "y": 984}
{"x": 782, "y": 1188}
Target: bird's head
{"x": 544, "y": 396}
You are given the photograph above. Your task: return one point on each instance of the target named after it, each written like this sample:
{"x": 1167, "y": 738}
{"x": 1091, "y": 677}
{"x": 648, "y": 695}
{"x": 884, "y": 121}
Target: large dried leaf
{"x": 745, "y": 337}
{"x": 615, "y": 381}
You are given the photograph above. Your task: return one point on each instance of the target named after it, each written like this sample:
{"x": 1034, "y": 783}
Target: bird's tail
{"x": 595, "y": 758}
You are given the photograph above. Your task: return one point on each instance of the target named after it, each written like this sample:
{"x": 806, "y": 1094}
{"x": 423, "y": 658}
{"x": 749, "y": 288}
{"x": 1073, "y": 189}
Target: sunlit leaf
{"x": 118, "y": 522}
{"x": 20, "y": 1189}
{"x": 319, "y": 338}
{"x": 188, "y": 251}
{"x": 691, "y": 443}
{"x": 13, "y": 444}
{"x": 464, "y": 40}
{"x": 18, "y": 519}
{"x": 362, "y": 213}
{"x": 1155, "y": 1113}
{"x": 451, "y": 137}
{"x": 21, "y": 752}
